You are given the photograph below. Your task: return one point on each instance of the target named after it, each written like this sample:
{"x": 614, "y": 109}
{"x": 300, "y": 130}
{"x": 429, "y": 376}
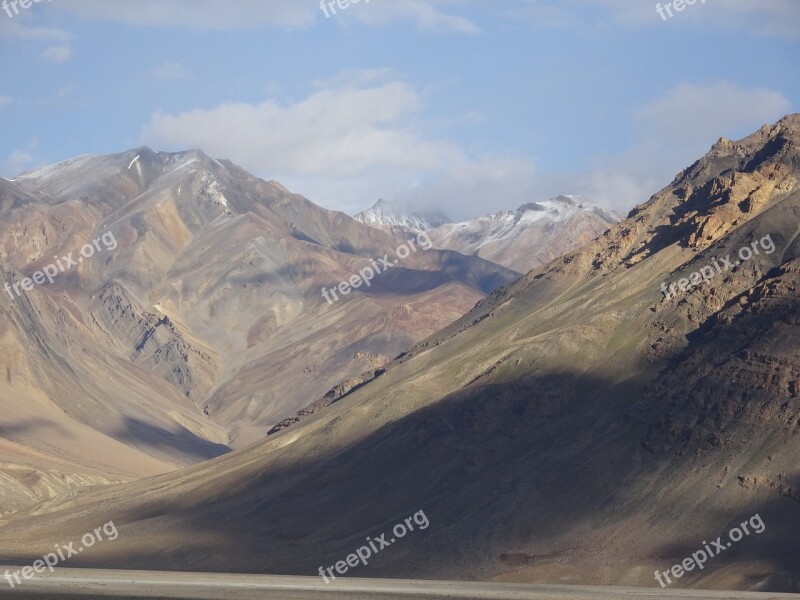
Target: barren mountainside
{"x": 198, "y": 322}
{"x": 576, "y": 426}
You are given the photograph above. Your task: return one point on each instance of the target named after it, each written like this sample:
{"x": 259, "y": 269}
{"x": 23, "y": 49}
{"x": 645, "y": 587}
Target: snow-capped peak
{"x": 531, "y": 235}
{"x": 390, "y": 215}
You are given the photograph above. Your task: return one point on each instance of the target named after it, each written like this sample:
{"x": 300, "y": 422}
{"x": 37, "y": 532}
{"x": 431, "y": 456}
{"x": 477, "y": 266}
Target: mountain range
{"x": 522, "y": 239}
{"x": 205, "y": 326}
{"x": 577, "y": 425}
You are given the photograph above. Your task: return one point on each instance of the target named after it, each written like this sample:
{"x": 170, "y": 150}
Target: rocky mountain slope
{"x": 577, "y": 426}
{"x": 196, "y": 321}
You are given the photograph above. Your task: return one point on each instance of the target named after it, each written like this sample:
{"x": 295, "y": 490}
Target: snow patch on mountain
{"x": 521, "y": 239}
{"x": 392, "y": 216}
{"x": 506, "y": 226}
{"x": 530, "y": 236}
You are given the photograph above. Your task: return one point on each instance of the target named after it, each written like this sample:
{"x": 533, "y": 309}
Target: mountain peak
{"x": 394, "y": 216}
{"x": 381, "y": 204}
{"x": 532, "y": 235}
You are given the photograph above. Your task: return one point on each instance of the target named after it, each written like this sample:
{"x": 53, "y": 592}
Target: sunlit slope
{"x": 197, "y": 323}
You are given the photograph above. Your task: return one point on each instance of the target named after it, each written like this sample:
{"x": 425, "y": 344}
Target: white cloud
{"x": 670, "y": 133}
{"x": 360, "y": 136}
{"x": 674, "y": 130}
{"x": 19, "y": 161}
{"x": 773, "y": 17}
{"x": 22, "y": 160}
{"x": 253, "y": 14}
{"x": 423, "y": 12}
{"x": 477, "y": 186}
{"x": 57, "y": 54}
{"x": 778, "y": 17}
{"x": 346, "y": 145}
{"x": 620, "y": 186}
{"x": 15, "y": 28}
{"x": 341, "y": 131}
{"x": 197, "y": 14}
{"x": 695, "y": 115}
{"x": 171, "y": 71}
{"x": 5, "y": 101}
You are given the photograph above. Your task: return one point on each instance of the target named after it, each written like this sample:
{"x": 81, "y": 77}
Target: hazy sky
{"x": 469, "y": 106}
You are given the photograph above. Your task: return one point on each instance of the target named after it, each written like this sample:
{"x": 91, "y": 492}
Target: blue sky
{"x": 469, "y": 106}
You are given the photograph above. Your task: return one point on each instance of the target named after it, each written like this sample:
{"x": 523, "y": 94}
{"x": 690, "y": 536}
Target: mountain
{"x": 522, "y": 239}
{"x": 531, "y": 236}
{"x": 394, "y": 218}
{"x": 183, "y": 313}
{"x": 579, "y": 425}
